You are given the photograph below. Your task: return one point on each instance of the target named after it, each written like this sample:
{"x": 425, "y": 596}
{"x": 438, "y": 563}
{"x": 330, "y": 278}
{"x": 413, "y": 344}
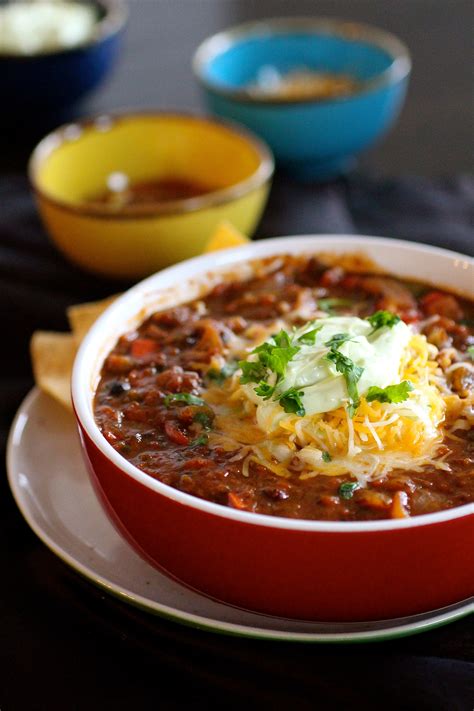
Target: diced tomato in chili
{"x": 143, "y": 346}
{"x": 236, "y": 501}
{"x": 175, "y": 434}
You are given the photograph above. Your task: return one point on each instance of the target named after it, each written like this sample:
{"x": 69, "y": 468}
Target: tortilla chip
{"x": 224, "y": 236}
{"x": 52, "y": 355}
{"x": 82, "y": 316}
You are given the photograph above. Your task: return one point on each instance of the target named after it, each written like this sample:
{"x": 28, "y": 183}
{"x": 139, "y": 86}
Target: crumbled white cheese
{"x": 44, "y": 26}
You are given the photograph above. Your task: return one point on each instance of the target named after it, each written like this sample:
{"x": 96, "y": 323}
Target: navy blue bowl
{"x": 314, "y": 138}
{"x": 53, "y": 81}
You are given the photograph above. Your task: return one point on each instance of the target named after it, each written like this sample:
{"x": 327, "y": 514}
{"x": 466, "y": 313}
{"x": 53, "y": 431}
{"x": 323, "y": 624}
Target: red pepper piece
{"x": 236, "y": 501}
{"x": 174, "y": 433}
{"x": 142, "y": 347}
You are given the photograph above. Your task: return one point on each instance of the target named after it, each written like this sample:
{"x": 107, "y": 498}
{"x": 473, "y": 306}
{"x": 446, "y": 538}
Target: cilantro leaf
{"x": 326, "y": 457}
{"x": 278, "y": 359}
{"x": 347, "y": 488}
{"x": 382, "y": 318}
{"x": 220, "y": 375}
{"x": 204, "y": 419}
{"x": 282, "y": 339}
{"x": 252, "y": 371}
{"x": 392, "y": 393}
{"x": 265, "y": 390}
{"x": 332, "y": 303}
{"x": 265, "y": 347}
{"x": 309, "y": 338}
{"x": 272, "y": 358}
{"x": 470, "y": 350}
{"x": 200, "y": 441}
{"x": 187, "y": 398}
{"x": 291, "y": 401}
{"x": 337, "y": 340}
{"x": 351, "y": 373}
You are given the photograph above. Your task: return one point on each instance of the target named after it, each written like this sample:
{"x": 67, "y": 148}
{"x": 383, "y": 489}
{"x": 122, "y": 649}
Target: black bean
{"x": 275, "y": 493}
{"x": 117, "y": 387}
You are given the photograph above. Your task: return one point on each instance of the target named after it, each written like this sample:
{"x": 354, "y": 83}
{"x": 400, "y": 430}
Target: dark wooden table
{"x": 65, "y": 645}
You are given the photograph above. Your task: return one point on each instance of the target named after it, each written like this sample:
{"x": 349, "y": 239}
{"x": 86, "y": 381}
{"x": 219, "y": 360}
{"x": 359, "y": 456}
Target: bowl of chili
{"x": 350, "y": 546}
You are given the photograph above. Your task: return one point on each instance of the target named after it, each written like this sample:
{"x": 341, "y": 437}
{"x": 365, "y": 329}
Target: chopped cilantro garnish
{"x": 470, "y": 350}
{"x": 291, "y": 401}
{"x": 272, "y": 358}
{"x": 382, "y": 318}
{"x": 309, "y": 338}
{"x": 265, "y": 390}
{"x": 220, "y": 375}
{"x": 330, "y": 304}
{"x": 392, "y": 393}
{"x": 199, "y": 441}
{"x": 326, "y": 457}
{"x": 351, "y": 373}
{"x": 337, "y": 340}
{"x": 252, "y": 371}
{"x": 282, "y": 339}
{"x": 276, "y": 357}
{"x": 188, "y": 398}
{"x": 347, "y": 488}
{"x": 204, "y": 419}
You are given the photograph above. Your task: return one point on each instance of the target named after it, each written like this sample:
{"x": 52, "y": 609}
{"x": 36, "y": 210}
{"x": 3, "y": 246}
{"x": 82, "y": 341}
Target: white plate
{"x": 52, "y": 489}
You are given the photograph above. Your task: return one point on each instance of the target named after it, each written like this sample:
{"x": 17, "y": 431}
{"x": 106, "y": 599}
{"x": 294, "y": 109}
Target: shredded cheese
{"x": 379, "y": 438}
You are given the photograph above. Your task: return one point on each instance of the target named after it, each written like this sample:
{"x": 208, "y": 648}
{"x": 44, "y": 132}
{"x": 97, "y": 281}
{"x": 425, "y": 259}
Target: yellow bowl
{"x": 72, "y": 164}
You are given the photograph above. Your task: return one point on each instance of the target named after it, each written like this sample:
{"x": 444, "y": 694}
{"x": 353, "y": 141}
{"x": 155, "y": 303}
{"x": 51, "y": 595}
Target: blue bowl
{"x": 314, "y": 139}
{"x": 50, "y": 82}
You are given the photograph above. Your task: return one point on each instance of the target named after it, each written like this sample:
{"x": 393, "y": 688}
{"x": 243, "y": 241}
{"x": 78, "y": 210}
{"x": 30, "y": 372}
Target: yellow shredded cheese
{"x": 379, "y": 438}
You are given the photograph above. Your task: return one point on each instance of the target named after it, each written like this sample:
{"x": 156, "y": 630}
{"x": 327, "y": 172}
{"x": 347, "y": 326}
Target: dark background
{"x": 63, "y": 644}
{"x": 435, "y": 128}
{"x": 433, "y": 136}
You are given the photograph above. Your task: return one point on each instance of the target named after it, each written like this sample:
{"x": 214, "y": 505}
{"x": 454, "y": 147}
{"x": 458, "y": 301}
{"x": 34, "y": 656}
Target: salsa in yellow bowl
{"x": 126, "y": 195}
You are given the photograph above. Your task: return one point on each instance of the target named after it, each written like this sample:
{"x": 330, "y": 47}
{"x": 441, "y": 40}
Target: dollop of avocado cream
{"x": 322, "y": 388}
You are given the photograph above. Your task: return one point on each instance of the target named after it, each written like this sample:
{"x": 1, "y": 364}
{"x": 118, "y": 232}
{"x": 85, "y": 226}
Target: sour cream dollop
{"x": 379, "y": 352}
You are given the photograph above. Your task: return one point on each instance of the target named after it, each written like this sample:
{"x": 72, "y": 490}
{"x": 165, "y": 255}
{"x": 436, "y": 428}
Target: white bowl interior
{"x": 190, "y": 279}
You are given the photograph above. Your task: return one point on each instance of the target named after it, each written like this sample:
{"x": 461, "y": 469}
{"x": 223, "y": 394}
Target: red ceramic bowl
{"x": 301, "y": 569}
